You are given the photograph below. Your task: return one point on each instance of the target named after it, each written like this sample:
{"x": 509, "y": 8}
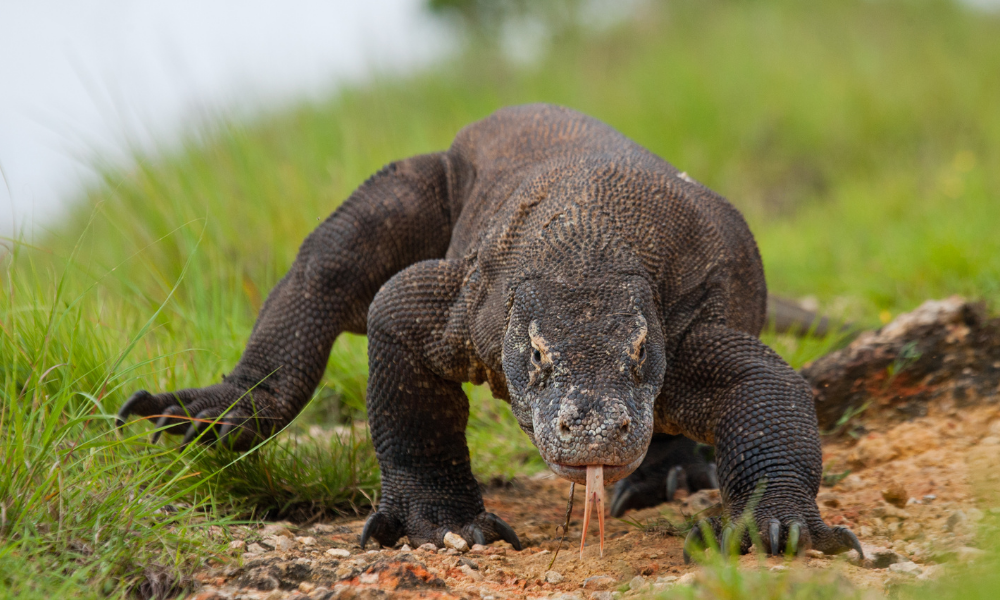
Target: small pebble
{"x": 637, "y": 582}
{"x": 599, "y": 581}
{"x": 256, "y": 548}
{"x": 479, "y": 548}
{"x": 428, "y": 547}
{"x": 406, "y": 548}
{"x": 601, "y": 596}
{"x": 237, "y": 545}
{"x": 306, "y": 540}
{"x": 687, "y": 579}
{"x": 338, "y": 553}
{"x": 814, "y": 553}
{"x": 554, "y": 577}
{"x": 778, "y": 568}
{"x": 368, "y": 578}
{"x": 453, "y": 540}
{"x": 906, "y": 568}
{"x": 471, "y": 573}
{"x": 305, "y": 587}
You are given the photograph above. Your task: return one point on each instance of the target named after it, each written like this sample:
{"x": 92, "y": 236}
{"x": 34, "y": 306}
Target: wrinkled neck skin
{"x": 584, "y": 361}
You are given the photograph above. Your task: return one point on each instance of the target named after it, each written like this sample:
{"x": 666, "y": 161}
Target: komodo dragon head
{"x": 584, "y": 362}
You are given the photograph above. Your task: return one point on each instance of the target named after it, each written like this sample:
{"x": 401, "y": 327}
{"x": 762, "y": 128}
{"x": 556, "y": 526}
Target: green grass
{"x": 861, "y": 139}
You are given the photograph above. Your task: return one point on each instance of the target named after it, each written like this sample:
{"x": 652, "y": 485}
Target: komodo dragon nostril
{"x": 564, "y": 429}
{"x": 624, "y": 425}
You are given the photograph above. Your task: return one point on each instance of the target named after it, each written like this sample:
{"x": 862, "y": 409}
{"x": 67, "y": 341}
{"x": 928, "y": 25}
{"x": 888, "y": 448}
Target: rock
{"x": 955, "y": 519}
{"x": 477, "y": 548}
{"x": 276, "y": 529}
{"x": 601, "y": 596}
{"x": 323, "y": 528}
{"x": 405, "y": 548}
{"x": 566, "y": 596}
{"x": 876, "y": 557}
{"x": 906, "y": 568}
{"x": 778, "y": 568}
{"x": 428, "y": 547}
{"x": 637, "y": 583}
{"x": 453, "y": 540}
{"x": 687, "y": 579}
{"x": 930, "y": 572}
{"x": 599, "y": 582}
{"x": 890, "y": 511}
{"x": 305, "y": 587}
{"x": 706, "y": 502}
{"x": 321, "y": 592}
{"x": 477, "y": 576}
{"x": 306, "y": 541}
{"x": 814, "y": 553}
{"x": 256, "y": 548}
{"x": 279, "y": 543}
{"x": 667, "y": 579}
{"x": 929, "y": 498}
{"x": 554, "y": 577}
{"x": 882, "y": 557}
{"x": 368, "y": 578}
{"x": 865, "y": 531}
{"x": 895, "y": 495}
{"x": 237, "y": 545}
{"x": 338, "y": 553}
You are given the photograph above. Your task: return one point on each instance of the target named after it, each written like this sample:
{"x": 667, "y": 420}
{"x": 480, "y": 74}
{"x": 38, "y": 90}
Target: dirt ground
{"x": 916, "y": 475}
{"x": 914, "y": 495}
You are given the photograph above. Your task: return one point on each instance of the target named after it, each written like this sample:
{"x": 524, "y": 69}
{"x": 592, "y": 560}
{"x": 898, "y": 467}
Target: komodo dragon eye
{"x": 642, "y": 353}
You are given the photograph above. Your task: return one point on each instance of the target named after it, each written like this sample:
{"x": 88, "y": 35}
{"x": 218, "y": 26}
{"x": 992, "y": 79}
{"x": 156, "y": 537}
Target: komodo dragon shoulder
{"x": 612, "y": 300}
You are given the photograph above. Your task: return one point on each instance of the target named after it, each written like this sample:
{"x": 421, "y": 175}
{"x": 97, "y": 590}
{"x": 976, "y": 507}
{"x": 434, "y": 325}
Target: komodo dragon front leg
{"x": 731, "y": 390}
{"x": 418, "y": 411}
{"x": 400, "y": 216}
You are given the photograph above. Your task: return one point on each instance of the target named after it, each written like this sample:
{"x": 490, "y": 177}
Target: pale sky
{"x": 85, "y": 78}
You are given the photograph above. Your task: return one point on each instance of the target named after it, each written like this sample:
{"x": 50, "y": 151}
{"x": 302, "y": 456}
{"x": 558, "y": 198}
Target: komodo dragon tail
{"x": 788, "y": 316}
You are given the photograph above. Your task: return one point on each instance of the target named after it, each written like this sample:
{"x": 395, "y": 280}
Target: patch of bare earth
{"x": 923, "y": 461}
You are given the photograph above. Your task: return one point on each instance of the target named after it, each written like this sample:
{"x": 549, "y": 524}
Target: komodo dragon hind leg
{"x": 673, "y": 462}
{"x": 418, "y": 412}
{"x": 398, "y": 217}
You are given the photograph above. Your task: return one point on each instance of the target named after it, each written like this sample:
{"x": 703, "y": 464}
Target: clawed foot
{"x": 215, "y": 413}
{"x": 484, "y": 529}
{"x": 789, "y": 538}
{"x": 672, "y": 463}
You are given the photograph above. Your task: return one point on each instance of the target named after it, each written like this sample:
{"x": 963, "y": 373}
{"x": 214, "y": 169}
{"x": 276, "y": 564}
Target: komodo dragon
{"x": 601, "y": 292}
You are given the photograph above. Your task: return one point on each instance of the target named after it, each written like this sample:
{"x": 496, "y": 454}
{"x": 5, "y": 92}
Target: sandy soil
{"x": 916, "y": 494}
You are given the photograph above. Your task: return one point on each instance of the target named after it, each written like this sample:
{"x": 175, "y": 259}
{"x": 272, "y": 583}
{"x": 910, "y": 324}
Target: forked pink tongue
{"x": 594, "y": 499}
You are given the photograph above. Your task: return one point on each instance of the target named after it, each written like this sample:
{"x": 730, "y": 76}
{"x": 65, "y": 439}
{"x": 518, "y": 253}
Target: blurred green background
{"x": 861, "y": 139}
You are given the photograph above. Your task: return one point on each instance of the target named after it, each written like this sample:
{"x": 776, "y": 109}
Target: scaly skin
{"x": 602, "y": 293}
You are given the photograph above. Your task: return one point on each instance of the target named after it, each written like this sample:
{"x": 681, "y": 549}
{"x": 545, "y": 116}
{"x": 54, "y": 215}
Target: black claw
{"x": 507, "y": 534}
{"x": 622, "y": 494}
{"x": 692, "y": 542}
{"x": 673, "y": 478}
{"x": 192, "y": 432}
{"x": 851, "y": 540}
{"x": 727, "y": 540}
{"x": 774, "y": 536}
{"x": 792, "y": 547}
{"x": 477, "y": 535}
{"x": 160, "y": 424}
{"x": 367, "y": 531}
{"x": 713, "y": 476}
{"x": 126, "y": 410}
